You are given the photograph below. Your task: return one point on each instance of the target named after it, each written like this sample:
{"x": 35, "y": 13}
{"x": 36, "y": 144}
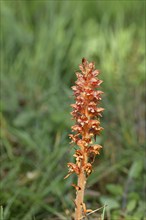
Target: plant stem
{"x": 80, "y": 195}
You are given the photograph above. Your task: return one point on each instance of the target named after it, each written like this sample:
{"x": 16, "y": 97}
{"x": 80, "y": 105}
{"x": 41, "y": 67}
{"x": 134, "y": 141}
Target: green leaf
{"x": 136, "y": 169}
{"x": 134, "y": 196}
{"x": 103, "y": 213}
{"x": 110, "y": 202}
{"x": 131, "y": 205}
{"x": 114, "y": 189}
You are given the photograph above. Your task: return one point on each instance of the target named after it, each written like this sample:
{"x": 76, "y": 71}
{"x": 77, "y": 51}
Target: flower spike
{"x": 86, "y": 113}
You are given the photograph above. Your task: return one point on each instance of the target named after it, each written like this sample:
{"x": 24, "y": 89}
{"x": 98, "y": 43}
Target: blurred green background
{"x": 42, "y": 43}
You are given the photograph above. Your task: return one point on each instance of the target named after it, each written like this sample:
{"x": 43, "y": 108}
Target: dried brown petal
{"x": 88, "y": 169}
{"x": 73, "y": 168}
{"x": 94, "y": 149}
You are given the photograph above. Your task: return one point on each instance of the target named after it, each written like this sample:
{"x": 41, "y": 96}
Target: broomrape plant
{"x": 86, "y": 113}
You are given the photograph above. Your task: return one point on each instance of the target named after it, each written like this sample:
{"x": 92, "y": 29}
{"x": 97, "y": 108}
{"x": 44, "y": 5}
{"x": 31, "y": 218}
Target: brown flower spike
{"x": 86, "y": 113}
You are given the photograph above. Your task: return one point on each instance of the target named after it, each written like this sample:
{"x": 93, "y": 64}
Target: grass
{"x": 42, "y": 43}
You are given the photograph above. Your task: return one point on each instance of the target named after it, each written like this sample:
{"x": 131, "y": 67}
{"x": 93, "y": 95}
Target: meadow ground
{"x": 42, "y": 43}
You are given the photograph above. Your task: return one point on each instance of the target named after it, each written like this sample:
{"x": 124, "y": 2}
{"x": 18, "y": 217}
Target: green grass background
{"x": 42, "y": 43}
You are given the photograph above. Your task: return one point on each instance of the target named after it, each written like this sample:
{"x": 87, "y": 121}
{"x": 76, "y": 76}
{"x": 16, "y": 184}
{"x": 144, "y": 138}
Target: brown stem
{"x": 80, "y": 195}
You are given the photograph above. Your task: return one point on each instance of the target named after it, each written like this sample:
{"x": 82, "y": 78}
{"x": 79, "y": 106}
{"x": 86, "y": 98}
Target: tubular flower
{"x": 86, "y": 113}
